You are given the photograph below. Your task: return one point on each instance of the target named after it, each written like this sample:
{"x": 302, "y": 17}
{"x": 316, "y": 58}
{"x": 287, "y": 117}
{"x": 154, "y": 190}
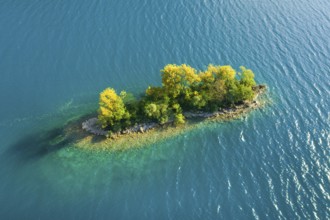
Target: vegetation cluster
{"x": 183, "y": 89}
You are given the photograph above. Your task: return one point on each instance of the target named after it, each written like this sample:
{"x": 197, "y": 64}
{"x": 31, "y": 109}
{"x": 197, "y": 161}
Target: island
{"x": 184, "y": 97}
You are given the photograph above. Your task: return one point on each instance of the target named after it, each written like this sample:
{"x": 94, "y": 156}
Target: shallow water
{"x": 55, "y": 57}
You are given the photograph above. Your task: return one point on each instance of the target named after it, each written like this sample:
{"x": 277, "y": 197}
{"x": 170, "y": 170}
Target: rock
{"x": 91, "y": 126}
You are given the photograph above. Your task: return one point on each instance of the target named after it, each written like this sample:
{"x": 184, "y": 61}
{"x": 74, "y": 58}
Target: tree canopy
{"x": 183, "y": 89}
{"x": 112, "y": 108}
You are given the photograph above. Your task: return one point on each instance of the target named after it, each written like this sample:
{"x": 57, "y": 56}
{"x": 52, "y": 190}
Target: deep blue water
{"x": 56, "y": 56}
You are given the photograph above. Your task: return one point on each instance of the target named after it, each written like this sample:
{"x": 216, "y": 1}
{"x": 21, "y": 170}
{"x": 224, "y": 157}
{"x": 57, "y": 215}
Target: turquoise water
{"x": 56, "y": 56}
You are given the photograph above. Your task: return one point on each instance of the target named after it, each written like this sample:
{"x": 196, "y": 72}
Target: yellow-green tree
{"x": 208, "y": 77}
{"x": 247, "y": 77}
{"x": 155, "y": 93}
{"x": 112, "y": 108}
{"x": 217, "y": 72}
{"x": 176, "y": 79}
{"x": 226, "y": 72}
{"x": 241, "y": 89}
{"x": 218, "y": 91}
{"x": 216, "y": 81}
{"x": 160, "y": 112}
{"x": 179, "y": 119}
{"x": 183, "y": 89}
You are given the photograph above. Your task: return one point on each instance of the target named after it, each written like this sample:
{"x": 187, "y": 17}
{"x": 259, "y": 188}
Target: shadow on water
{"x": 38, "y": 145}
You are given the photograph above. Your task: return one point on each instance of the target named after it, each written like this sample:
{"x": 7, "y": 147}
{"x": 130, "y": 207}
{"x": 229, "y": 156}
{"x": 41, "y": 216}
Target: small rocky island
{"x": 185, "y": 96}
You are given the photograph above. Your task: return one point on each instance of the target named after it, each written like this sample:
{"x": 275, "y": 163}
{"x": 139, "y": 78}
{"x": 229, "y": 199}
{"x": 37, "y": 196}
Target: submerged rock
{"x": 93, "y": 127}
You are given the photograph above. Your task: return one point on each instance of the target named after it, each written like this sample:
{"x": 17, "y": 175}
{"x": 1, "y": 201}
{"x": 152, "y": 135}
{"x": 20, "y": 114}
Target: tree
{"x": 112, "y": 108}
{"x": 182, "y": 89}
{"x": 218, "y": 91}
{"x": 155, "y": 93}
{"x": 160, "y": 112}
{"x": 247, "y": 77}
{"x": 239, "y": 92}
{"x": 226, "y": 73}
{"x": 198, "y": 99}
{"x": 207, "y": 77}
{"x": 245, "y": 93}
{"x": 152, "y": 111}
{"x": 177, "y": 108}
{"x": 218, "y": 72}
{"x": 232, "y": 92}
{"x": 176, "y": 79}
{"x": 179, "y": 119}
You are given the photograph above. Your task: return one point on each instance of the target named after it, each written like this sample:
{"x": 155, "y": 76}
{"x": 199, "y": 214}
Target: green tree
{"x": 182, "y": 89}
{"x": 152, "y": 110}
{"x": 208, "y": 77}
{"x": 177, "y": 108}
{"x": 198, "y": 99}
{"x": 219, "y": 72}
{"x": 156, "y": 93}
{"x": 218, "y": 91}
{"x": 177, "y": 79}
{"x": 160, "y": 112}
{"x": 247, "y": 77}
{"x": 244, "y": 93}
{"x": 239, "y": 92}
{"x": 232, "y": 92}
{"x": 179, "y": 119}
{"x": 112, "y": 109}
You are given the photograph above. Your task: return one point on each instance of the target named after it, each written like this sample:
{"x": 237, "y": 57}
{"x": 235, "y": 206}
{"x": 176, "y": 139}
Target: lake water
{"x": 56, "y": 56}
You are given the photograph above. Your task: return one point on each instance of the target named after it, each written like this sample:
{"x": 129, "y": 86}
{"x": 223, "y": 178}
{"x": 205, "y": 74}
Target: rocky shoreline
{"x": 91, "y": 125}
